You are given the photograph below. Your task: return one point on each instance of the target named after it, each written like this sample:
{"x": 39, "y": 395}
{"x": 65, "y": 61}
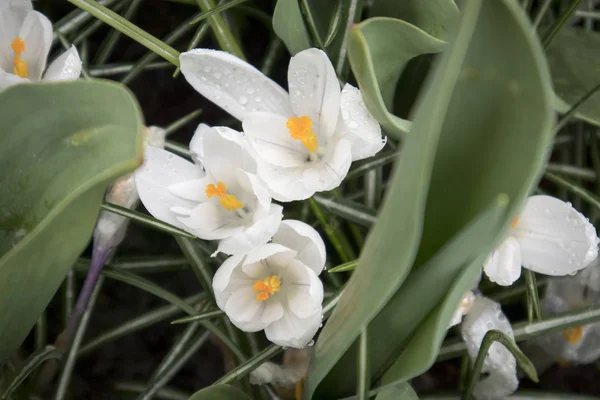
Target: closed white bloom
{"x": 276, "y": 287}
{"x": 500, "y": 364}
{"x": 549, "y": 237}
{"x": 218, "y": 198}
{"x": 288, "y": 374}
{"x": 110, "y": 228}
{"x": 25, "y": 41}
{"x": 305, "y": 140}
{"x": 580, "y": 344}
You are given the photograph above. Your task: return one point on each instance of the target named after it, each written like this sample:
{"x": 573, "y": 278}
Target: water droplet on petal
{"x": 250, "y": 90}
{"x": 242, "y": 100}
{"x": 353, "y": 124}
{"x": 207, "y": 69}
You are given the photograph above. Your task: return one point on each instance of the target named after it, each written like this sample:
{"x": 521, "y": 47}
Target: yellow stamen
{"x": 573, "y": 335}
{"x": 228, "y": 201}
{"x": 18, "y": 46}
{"x": 514, "y": 222}
{"x": 301, "y": 129}
{"x": 267, "y": 287}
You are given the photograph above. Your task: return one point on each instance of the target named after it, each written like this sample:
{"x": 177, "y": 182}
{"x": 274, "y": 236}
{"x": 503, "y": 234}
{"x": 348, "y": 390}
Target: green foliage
{"x": 64, "y": 143}
{"x": 488, "y": 147}
{"x": 574, "y": 66}
{"x": 220, "y": 392}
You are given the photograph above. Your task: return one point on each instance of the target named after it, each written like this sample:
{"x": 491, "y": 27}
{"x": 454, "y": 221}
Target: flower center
{"x": 514, "y": 222}
{"x": 267, "y": 287}
{"x": 301, "y": 129}
{"x": 18, "y": 46}
{"x": 573, "y": 335}
{"x": 228, "y": 201}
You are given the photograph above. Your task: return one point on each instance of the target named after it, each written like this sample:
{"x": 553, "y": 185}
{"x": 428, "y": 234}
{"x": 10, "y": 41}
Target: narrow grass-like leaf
{"x": 334, "y": 26}
{"x": 569, "y": 114}
{"x": 127, "y": 28}
{"x": 181, "y": 122}
{"x": 349, "y": 266}
{"x": 204, "y": 315}
{"x": 344, "y": 252}
{"x": 221, "y": 30}
{"x": 32, "y": 362}
{"x": 489, "y": 338}
{"x": 146, "y": 220}
{"x": 250, "y": 365}
{"x": 347, "y": 209}
{"x": 218, "y": 9}
{"x": 532, "y": 293}
{"x": 379, "y": 160}
{"x": 198, "y": 263}
{"x": 575, "y": 189}
{"x": 363, "y": 383}
{"x": 559, "y": 23}
{"x": 220, "y": 392}
{"x": 289, "y": 26}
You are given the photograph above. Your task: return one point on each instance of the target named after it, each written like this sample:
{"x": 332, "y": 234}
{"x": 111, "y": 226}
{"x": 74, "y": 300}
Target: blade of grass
{"x": 334, "y": 24}
{"x": 362, "y": 167}
{"x": 363, "y": 383}
{"x": 221, "y": 30}
{"x": 74, "y": 20}
{"x": 199, "y": 317}
{"x": 127, "y": 28}
{"x": 542, "y": 11}
{"x": 163, "y": 394}
{"x": 310, "y": 24}
{"x": 578, "y": 190}
{"x": 198, "y": 36}
{"x": 344, "y": 252}
{"x": 532, "y": 293}
{"x": 347, "y": 209}
{"x": 32, "y": 362}
{"x": 489, "y": 338}
{"x": 349, "y": 266}
{"x": 218, "y": 9}
{"x": 98, "y": 71}
{"x": 567, "y": 117}
{"x": 146, "y": 220}
{"x": 558, "y": 24}
{"x": 181, "y": 122}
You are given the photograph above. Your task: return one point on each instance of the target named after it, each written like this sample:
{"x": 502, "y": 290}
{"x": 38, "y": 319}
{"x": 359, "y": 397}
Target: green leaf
{"x": 220, "y": 392}
{"x": 436, "y": 17}
{"x": 63, "y": 144}
{"x": 379, "y": 49}
{"x": 402, "y": 391}
{"x": 34, "y": 361}
{"x": 506, "y": 150}
{"x": 289, "y": 26}
{"x": 574, "y": 68}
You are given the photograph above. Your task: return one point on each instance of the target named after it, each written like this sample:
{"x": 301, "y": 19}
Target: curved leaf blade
{"x": 64, "y": 143}
{"x": 220, "y": 392}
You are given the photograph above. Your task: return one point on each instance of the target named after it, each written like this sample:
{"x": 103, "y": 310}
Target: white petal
{"x": 232, "y": 84}
{"x": 555, "y": 239}
{"x": 285, "y": 184}
{"x": 194, "y": 190}
{"x": 253, "y": 236}
{"x": 315, "y": 90}
{"x": 162, "y": 169}
{"x": 305, "y": 240}
{"x": 485, "y": 315}
{"x": 291, "y": 331}
{"x": 210, "y": 221}
{"x": 66, "y": 67}
{"x": 257, "y": 270}
{"x": 271, "y": 311}
{"x": 223, "y": 274}
{"x": 251, "y": 184}
{"x": 242, "y": 305}
{"x": 269, "y": 250}
{"x": 36, "y": 32}
{"x": 7, "y": 79}
{"x": 358, "y": 126}
{"x": 11, "y": 19}
{"x": 223, "y": 153}
{"x": 503, "y": 266}
{"x": 303, "y": 288}
{"x": 331, "y": 170}
{"x": 270, "y": 139}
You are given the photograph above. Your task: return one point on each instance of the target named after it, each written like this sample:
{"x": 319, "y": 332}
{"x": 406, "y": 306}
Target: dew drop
{"x": 207, "y": 69}
{"x": 218, "y": 75}
{"x": 353, "y": 124}
{"x": 250, "y": 90}
{"x": 311, "y": 343}
{"x": 345, "y": 115}
{"x": 257, "y": 99}
{"x": 218, "y": 86}
{"x": 242, "y": 100}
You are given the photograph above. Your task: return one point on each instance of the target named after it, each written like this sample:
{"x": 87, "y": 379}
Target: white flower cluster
{"x": 293, "y": 145}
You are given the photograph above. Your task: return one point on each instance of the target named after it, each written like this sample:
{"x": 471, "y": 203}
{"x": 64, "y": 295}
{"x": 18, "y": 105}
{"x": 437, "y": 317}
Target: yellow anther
{"x": 301, "y": 129}
{"x": 18, "y": 46}
{"x": 514, "y": 222}
{"x": 573, "y": 335}
{"x": 228, "y": 201}
{"x": 267, "y": 287}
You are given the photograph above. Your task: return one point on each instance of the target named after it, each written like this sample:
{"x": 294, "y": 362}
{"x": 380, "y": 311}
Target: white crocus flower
{"x": 500, "y": 365}
{"x": 549, "y": 237}
{"x": 218, "y": 198}
{"x": 25, "y": 41}
{"x": 305, "y": 140}
{"x": 276, "y": 286}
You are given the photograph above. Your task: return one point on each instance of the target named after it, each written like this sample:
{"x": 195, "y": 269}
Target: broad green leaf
{"x": 392, "y": 244}
{"x": 436, "y": 17}
{"x": 289, "y": 26}
{"x": 402, "y": 391}
{"x": 63, "y": 144}
{"x": 489, "y": 147}
{"x": 574, "y": 62}
{"x": 220, "y": 392}
{"x": 379, "y": 49}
